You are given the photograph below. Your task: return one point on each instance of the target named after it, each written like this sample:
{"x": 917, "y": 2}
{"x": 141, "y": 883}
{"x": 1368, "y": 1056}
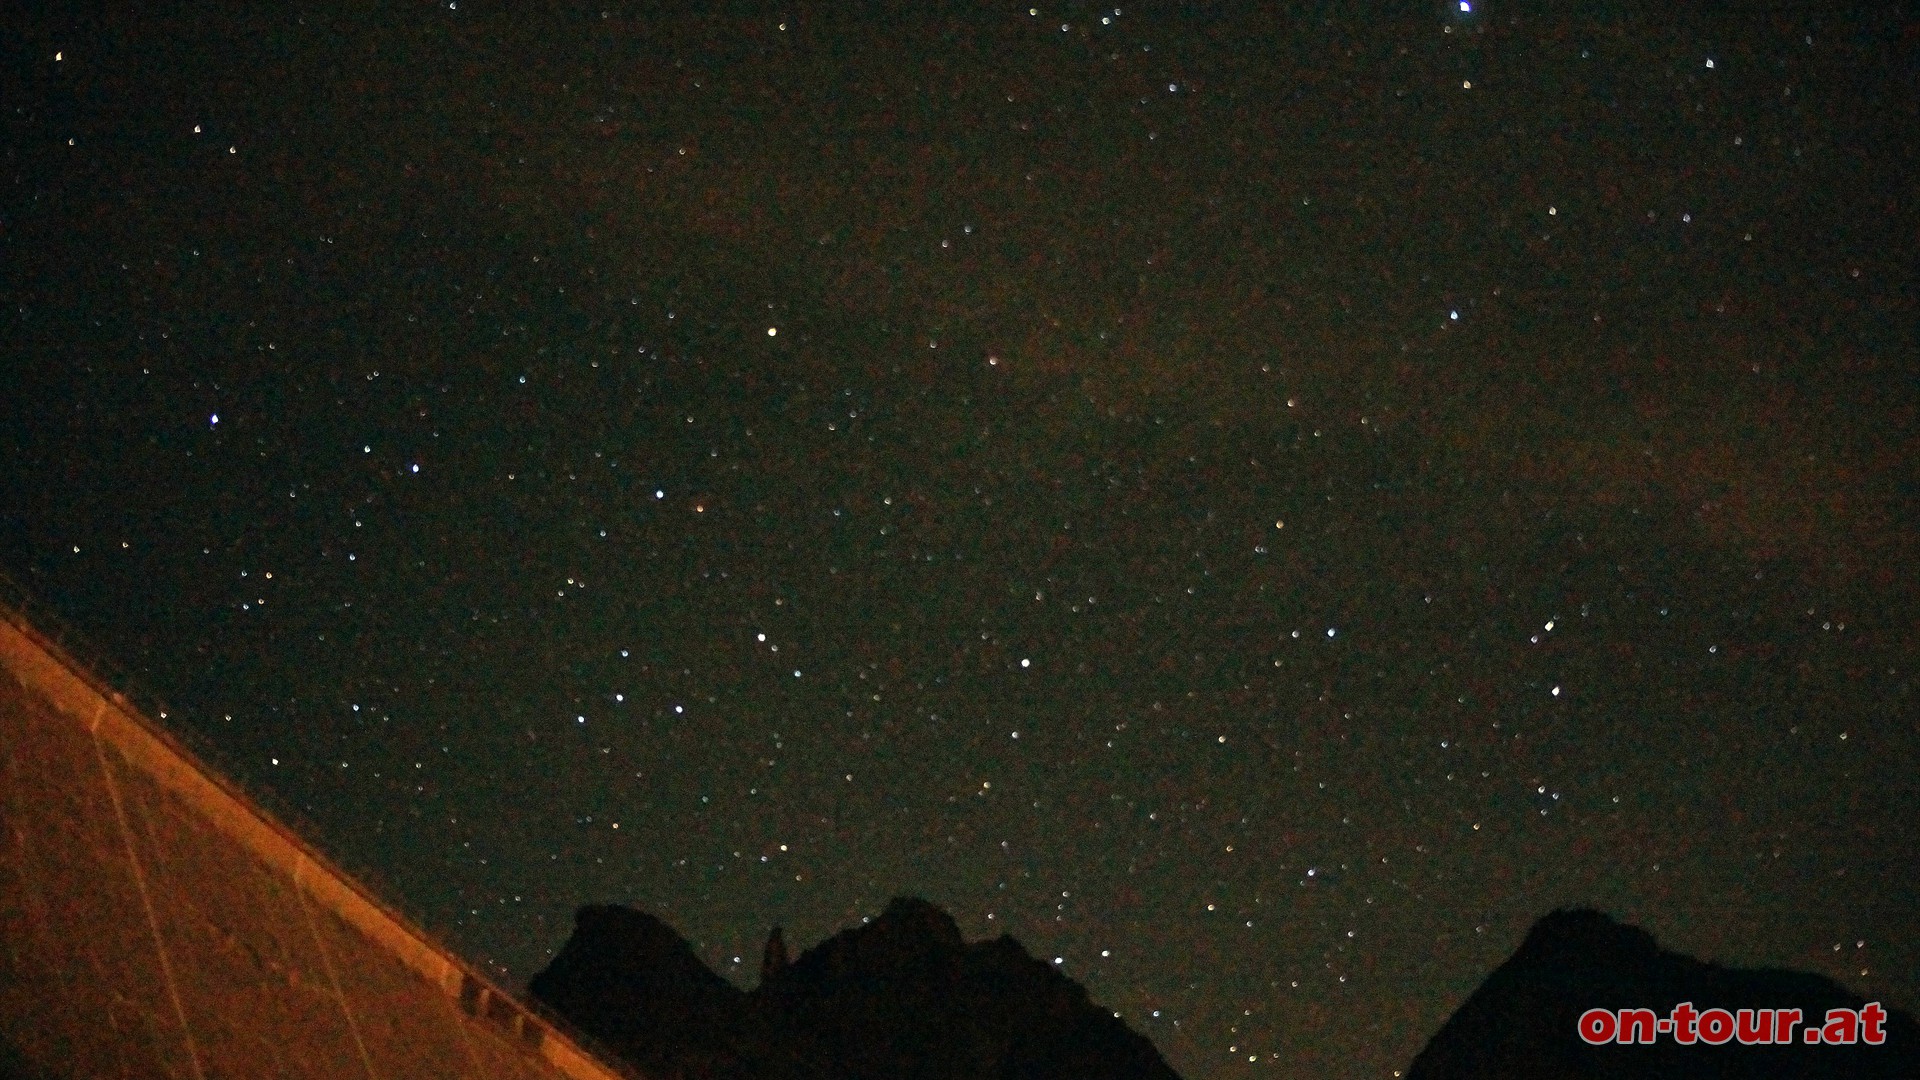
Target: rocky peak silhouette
{"x": 773, "y": 958}
{"x": 622, "y": 964}
{"x": 1520, "y": 1023}
{"x": 901, "y": 996}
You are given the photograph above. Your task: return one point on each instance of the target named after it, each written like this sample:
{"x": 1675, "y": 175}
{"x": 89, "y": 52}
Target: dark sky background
{"x": 1261, "y": 502}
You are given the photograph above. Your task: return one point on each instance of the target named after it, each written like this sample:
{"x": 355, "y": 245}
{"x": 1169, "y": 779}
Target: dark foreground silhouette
{"x": 1521, "y": 1023}
{"x": 900, "y": 997}
{"x": 905, "y": 997}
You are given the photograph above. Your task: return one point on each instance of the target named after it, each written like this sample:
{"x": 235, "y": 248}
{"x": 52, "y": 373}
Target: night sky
{"x": 1259, "y": 503}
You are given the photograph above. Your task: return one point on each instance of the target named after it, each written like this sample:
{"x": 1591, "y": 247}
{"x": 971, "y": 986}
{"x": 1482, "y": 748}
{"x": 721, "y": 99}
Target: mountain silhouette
{"x": 1521, "y": 1024}
{"x": 629, "y": 980}
{"x": 903, "y": 997}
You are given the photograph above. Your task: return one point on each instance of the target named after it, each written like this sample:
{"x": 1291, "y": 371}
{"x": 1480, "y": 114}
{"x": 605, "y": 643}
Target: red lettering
{"x": 1683, "y": 1020}
{"x": 1717, "y": 1026}
{"x": 1597, "y": 1026}
{"x": 1871, "y": 1017}
{"x": 1842, "y": 1027}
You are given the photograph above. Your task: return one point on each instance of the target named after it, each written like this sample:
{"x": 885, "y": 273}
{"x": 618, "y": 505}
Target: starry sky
{"x": 1260, "y": 502}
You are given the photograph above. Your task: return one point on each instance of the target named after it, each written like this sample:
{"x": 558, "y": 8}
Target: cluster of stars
{"x": 663, "y": 500}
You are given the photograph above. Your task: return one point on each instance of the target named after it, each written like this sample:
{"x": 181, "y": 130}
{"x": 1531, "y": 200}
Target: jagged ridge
{"x": 902, "y": 997}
